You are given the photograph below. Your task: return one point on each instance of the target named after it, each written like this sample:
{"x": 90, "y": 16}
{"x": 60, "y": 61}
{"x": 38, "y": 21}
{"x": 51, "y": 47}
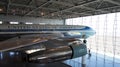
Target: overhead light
{"x": 14, "y": 22}
{"x": 52, "y": 14}
{"x": 0, "y": 22}
{"x": 28, "y": 23}
{"x": 42, "y": 13}
{"x": 1, "y": 9}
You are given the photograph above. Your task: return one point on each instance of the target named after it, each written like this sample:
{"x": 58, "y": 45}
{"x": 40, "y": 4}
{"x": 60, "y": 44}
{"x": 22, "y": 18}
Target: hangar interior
{"x": 101, "y": 15}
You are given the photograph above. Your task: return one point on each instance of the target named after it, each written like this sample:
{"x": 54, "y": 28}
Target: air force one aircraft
{"x": 43, "y": 43}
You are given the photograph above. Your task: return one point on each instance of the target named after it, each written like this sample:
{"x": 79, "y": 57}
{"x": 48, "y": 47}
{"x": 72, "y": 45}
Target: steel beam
{"x": 30, "y": 2}
{"x": 21, "y": 5}
{"x": 37, "y": 8}
{"x": 113, "y": 2}
{"x": 72, "y": 7}
{"x": 101, "y": 2}
{"x": 92, "y": 9}
{"x": 111, "y": 7}
{"x": 68, "y": 4}
{"x": 8, "y": 6}
{"x": 62, "y": 3}
{"x": 78, "y": 13}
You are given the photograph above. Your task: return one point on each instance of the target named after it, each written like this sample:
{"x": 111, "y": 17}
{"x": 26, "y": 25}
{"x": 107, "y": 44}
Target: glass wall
{"x": 106, "y": 43}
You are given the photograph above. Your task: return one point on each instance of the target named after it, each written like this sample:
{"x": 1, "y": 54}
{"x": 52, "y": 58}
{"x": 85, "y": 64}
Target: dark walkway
{"x": 56, "y": 64}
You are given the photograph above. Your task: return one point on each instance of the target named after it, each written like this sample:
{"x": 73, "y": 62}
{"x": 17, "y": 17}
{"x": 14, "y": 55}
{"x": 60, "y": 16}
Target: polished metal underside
{"x": 61, "y": 9}
{"x": 32, "y": 49}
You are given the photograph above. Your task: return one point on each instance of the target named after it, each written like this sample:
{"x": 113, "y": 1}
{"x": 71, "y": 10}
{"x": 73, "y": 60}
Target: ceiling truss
{"x": 59, "y": 8}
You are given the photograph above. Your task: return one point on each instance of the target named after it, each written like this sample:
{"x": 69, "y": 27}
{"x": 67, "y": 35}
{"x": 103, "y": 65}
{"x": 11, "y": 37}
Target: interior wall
{"x": 34, "y": 20}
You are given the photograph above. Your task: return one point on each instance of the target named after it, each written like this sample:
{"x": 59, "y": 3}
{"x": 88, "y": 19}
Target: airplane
{"x": 43, "y": 43}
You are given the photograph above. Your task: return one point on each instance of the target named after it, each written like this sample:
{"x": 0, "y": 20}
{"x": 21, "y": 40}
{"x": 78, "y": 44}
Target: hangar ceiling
{"x": 58, "y": 8}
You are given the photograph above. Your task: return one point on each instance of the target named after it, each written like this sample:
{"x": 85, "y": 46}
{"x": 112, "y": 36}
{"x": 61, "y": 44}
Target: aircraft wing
{"x": 25, "y": 40}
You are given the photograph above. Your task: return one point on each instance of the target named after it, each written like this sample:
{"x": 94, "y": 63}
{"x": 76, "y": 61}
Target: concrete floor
{"x": 96, "y": 60}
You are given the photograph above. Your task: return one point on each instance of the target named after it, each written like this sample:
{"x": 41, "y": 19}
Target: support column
{"x": 64, "y": 22}
{"x": 83, "y": 60}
